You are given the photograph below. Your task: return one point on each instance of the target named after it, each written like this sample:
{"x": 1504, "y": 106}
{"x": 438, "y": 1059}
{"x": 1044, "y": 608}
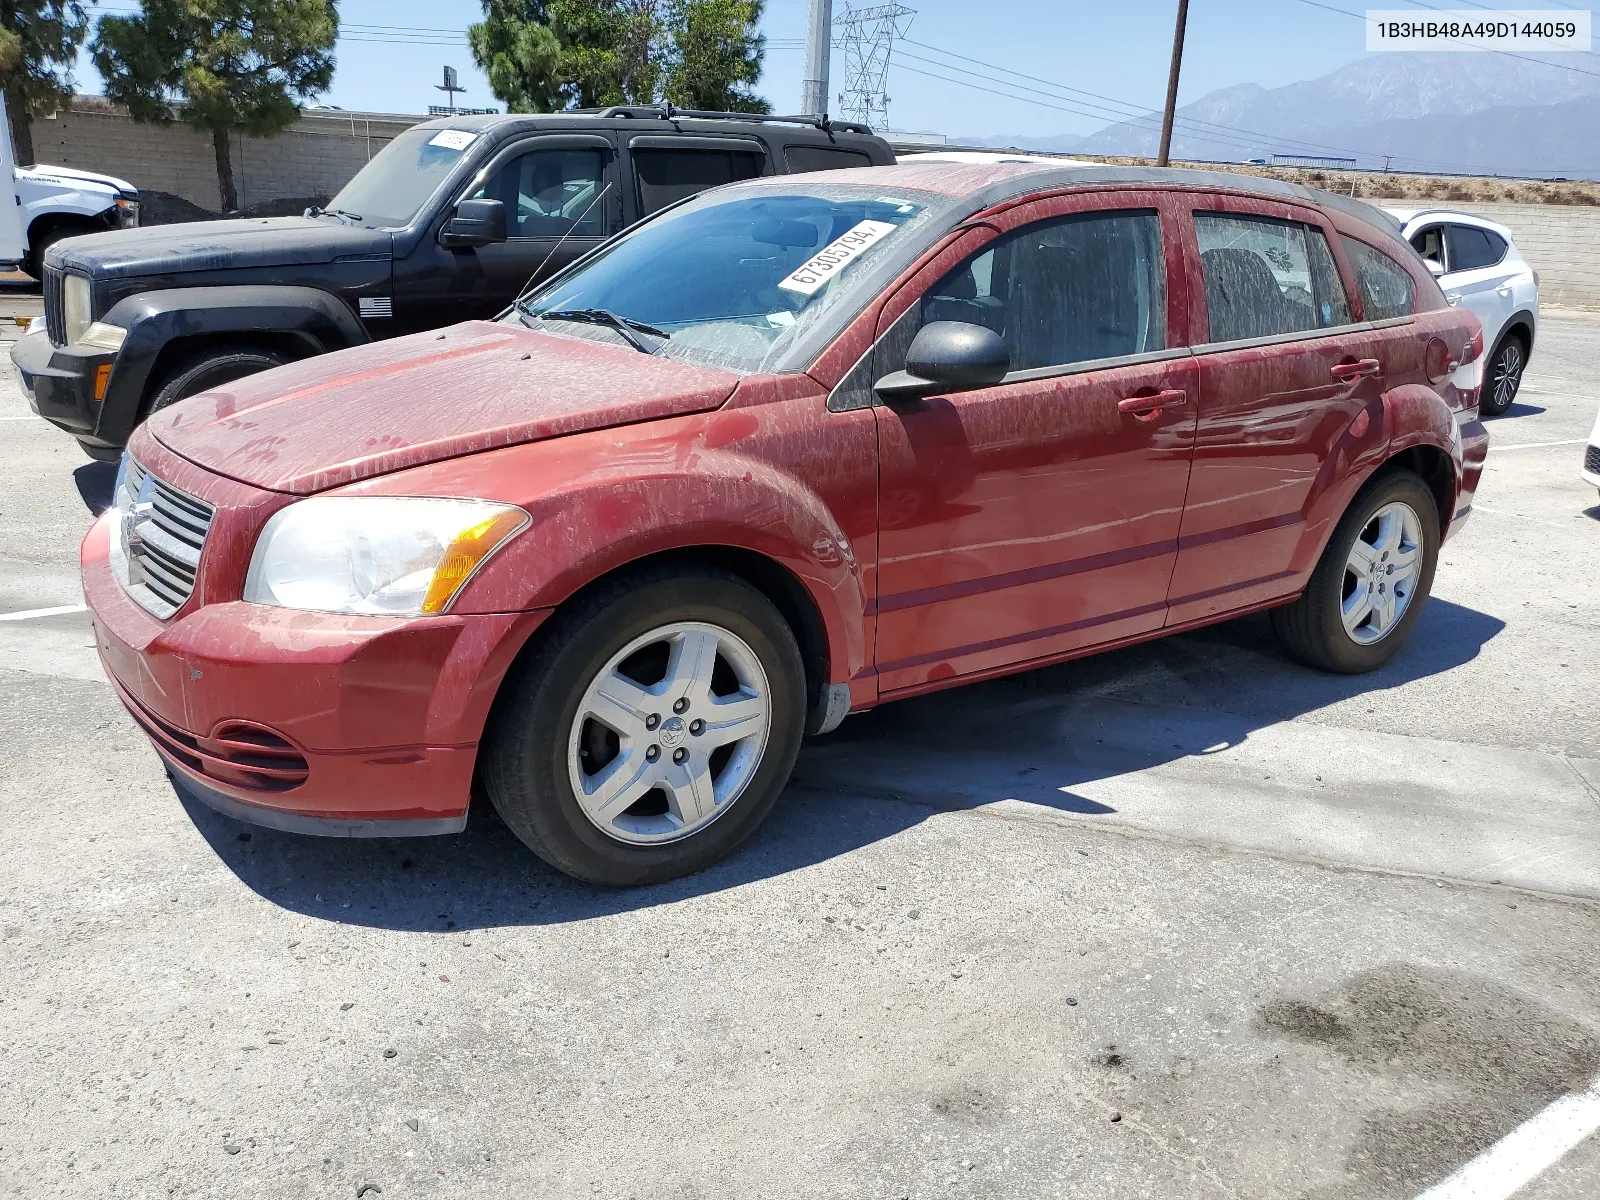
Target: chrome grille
{"x": 55, "y": 318}
{"x": 159, "y": 537}
{"x": 1591, "y": 460}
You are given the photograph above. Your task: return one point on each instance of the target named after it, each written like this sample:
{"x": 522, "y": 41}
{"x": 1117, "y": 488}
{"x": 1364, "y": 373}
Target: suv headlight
{"x": 378, "y": 555}
{"x": 77, "y": 307}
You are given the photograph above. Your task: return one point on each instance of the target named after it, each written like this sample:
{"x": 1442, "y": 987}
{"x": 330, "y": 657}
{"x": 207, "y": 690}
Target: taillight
{"x": 1536, "y": 279}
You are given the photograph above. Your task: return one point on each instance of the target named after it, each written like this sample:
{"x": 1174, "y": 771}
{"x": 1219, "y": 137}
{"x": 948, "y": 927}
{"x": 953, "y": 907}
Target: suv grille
{"x": 160, "y": 537}
{"x": 1591, "y": 460}
{"x": 55, "y": 320}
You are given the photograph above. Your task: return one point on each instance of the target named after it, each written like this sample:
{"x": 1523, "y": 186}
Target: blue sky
{"x": 392, "y": 52}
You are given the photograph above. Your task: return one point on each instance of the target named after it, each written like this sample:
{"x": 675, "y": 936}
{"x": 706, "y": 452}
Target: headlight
{"x": 100, "y": 336}
{"x": 76, "y": 307}
{"x": 381, "y": 555}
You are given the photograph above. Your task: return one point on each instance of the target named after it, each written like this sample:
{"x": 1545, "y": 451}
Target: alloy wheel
{"x": 1507, "y": 376}
{"x": 1381, "y": 573}
{"x": 669, "y": 733}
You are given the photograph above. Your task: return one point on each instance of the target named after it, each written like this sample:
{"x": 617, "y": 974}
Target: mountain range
{"x": 1466, "y": 113}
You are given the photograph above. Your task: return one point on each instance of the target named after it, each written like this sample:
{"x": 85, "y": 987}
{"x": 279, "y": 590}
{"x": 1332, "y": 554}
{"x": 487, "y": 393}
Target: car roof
{"x": 1407, "y": 215}
{"x": 987, "y": 183}
{"x": 499, "y": 124}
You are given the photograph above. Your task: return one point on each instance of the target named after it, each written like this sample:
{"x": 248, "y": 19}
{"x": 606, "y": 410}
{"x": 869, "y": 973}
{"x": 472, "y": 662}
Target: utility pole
{"x": 1172, "y": 83}
{"x": 819, "y": 47}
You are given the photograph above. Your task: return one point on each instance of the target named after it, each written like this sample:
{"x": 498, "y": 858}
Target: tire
{"x": 1503, "y": 375}
{"x": 211, "y": 368}
{"x": 1313, "y": 628}
{"x": 33, "y": 264}
{"x": 544, "y": 744}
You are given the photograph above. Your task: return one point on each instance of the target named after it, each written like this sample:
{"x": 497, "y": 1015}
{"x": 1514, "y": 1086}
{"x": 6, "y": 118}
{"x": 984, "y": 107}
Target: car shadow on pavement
{"x": 96, "y": 481}
{"x": 1034, "y": 737}
{"x": 1520, "y": 408}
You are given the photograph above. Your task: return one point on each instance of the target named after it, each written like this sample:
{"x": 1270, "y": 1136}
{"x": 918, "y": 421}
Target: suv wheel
{"x": 212, "y": 368}
{"x": 653, "y": 729}
{"x": 1370, "y": 584}
{"x": 1504, "y": 376}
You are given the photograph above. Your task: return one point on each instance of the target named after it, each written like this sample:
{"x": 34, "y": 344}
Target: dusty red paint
{"x": 938, "y": 542}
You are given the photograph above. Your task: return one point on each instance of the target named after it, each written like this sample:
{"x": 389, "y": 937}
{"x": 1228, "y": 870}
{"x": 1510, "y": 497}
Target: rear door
{"x": 666, "y": 168}
{"x": 1480, "y": 277}
{"x": 561, "y": 196}
{"x": 1025, "y": 520}
{"x": 1283, "y": 370}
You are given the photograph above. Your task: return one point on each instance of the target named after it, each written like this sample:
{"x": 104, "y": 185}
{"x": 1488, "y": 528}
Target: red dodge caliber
{"x": 788, "y": 450}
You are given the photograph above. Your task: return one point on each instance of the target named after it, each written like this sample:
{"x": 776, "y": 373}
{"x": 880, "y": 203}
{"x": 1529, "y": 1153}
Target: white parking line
{"x": 30, "y": 613}
{"x": 1537, "y": 445}
{"x": 1524, "y": 1153}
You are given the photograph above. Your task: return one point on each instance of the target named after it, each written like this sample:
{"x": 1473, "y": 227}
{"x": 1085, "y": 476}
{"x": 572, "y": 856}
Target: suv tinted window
{"x": 548, "y": 193}
{"x": 823, "y": 158}
{"x": 1064, "y": 291}
{"x": 1266, "y": 277}
{"x": 666, "y": 176}
{"x": 1471, "y": 247}
{"x": 1386, "y": 287}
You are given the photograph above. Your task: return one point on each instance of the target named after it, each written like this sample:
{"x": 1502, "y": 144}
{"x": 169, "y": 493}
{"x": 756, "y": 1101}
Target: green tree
{"x": 550, "y": 55}
{"x": 39, "y": 42}
{"x": 221, "y": 65}
{"x": 717, "y": 56}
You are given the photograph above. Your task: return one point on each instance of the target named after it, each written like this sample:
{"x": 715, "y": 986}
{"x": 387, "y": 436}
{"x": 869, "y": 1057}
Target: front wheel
{"x": 212, "y": 368}
{"x": 1363, "y": 600}
{"x": 1504, "y": 376}
{"x": 653, "y": 729}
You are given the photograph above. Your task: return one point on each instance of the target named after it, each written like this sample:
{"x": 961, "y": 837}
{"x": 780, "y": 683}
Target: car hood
{"x": 328, "y": 421}
{"x": 217, "y": 245}
{"x": 45, "y": 174}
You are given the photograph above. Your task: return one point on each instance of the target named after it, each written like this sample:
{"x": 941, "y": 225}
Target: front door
{"x": 1027, "y": 519}
{"x": 1283, "y": 370}
{"x": 562, "y": 199}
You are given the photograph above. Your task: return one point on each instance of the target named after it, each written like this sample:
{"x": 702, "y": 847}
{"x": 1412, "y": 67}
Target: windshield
{"x": 732, "y": 278}
{"x": 390, "y": 189}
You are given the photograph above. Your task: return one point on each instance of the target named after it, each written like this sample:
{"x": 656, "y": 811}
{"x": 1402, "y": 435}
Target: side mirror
{"x": 1435, "y": 267}
{"x": 475, "y": 223}
{"x": 948, "y": 356}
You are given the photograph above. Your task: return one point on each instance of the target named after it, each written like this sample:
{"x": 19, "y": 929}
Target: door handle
{"x": 1147, "y": 407}
{"x": 1452, "y": 298}
{"x": 1357, "y": 370}
{"x": 1504, "y": 289}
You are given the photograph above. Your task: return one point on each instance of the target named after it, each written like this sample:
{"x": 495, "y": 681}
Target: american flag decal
{"x": 376, "y": 306}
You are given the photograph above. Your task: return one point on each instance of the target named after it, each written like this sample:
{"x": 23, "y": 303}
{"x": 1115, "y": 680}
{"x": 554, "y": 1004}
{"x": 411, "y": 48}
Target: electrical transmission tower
{"x": 866, "y": 35}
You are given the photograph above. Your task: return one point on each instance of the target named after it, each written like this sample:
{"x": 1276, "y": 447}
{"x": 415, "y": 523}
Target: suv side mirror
{"x": 948, "y": 356}
{"x": 1435, "y": 267}
{"x": 475, "y": 223}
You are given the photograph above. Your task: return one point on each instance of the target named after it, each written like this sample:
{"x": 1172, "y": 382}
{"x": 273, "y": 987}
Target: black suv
{"x": 447, "y": 223}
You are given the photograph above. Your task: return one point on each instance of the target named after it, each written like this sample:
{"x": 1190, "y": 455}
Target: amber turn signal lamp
{"x": 102, "y": 377}
{"x": 466, "y": 555}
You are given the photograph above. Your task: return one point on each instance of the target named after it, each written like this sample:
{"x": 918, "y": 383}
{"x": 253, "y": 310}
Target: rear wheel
{"x": 1504, "y": 375}
{"x": 1370, "y": 584}
{"x": 652, "y": 731}
{"x": 212, "y": 368}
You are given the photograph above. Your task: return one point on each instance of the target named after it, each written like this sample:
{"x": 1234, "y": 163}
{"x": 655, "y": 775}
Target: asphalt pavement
{"x": 1185, "y": 920}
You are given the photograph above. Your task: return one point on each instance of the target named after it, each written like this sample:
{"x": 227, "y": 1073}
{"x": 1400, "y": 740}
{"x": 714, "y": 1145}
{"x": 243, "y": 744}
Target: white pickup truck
{"x": 52, "y": 203}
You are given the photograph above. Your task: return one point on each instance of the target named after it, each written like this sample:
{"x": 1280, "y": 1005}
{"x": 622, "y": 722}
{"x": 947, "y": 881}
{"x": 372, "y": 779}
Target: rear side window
{"x": 667, "y": 176}
{"x": 1387, "y": 288}
{"x": 1266, "y": 277}
{"x": 1471, "y": 247}
{"x": 1065, "y": 291}
{"x": 823, "y": 158}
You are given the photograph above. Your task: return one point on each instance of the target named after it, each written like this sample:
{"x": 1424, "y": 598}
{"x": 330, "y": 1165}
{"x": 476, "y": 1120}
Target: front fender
{"x": 1402, "y": 418}
{"x": 156, "y": 319}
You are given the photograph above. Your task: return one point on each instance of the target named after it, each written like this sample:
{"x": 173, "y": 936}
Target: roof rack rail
{"x": 670, "y": 112}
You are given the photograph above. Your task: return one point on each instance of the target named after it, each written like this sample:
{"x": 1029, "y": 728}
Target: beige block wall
{"x": 314, "y": 157}
{"x": 1561, "y": 242}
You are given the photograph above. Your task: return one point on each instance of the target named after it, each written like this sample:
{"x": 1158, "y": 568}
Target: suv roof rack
{"x": 670, "y": 112}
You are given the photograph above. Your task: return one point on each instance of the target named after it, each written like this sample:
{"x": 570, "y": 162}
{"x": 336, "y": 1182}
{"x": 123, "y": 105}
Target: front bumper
{"x": 372, "y": 723}
{"x": 59, "y": 382}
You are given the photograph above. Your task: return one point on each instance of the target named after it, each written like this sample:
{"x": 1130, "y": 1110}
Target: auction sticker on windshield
{"x": 808, "y": 278}
{"x": 453, "y": 139}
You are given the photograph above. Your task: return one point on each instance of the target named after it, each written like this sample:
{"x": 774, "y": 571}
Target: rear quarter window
{"x": 823, "y": 158}
{"x": 1387, "y": 289}
{"x": 666, "y": 176}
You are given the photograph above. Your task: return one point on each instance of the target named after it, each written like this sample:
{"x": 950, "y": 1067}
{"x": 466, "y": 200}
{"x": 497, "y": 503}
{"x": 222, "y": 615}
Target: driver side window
{"x": 548, "y": 193}
{"x": 1069, "y": 290}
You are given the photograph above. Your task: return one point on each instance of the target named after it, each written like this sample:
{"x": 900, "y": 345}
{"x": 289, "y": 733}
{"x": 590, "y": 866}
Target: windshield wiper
{"x": 318, "y": 211}
{"x": 626, "y": 326}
